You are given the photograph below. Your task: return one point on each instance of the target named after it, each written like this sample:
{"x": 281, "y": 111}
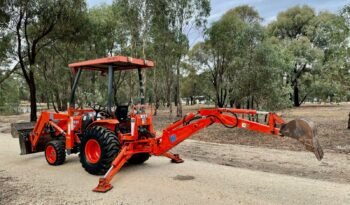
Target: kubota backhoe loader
{"x": 108, "y": 139}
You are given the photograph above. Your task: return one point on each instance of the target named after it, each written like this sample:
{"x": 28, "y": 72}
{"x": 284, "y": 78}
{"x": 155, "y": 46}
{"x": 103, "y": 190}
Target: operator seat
{"x": 122, "y": 113}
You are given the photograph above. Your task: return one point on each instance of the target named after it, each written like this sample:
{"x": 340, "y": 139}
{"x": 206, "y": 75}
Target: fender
{"x": 107, "y": 123}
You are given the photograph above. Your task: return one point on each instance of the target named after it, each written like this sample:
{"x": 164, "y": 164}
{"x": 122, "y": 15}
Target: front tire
{"x": 99, "y": 147}
{"x": 55, "y": 152}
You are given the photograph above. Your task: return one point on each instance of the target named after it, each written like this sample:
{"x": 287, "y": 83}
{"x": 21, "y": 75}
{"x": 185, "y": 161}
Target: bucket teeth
{"x": 306, "y": 133}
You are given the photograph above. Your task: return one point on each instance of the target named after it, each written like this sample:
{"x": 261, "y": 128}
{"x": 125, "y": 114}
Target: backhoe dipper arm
{"x": 191, "y": 123}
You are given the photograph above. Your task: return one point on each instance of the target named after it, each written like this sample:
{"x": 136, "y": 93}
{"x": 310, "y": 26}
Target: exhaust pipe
{"x": 305, "y": 132}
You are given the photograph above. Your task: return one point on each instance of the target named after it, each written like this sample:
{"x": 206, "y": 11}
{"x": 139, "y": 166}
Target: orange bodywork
{"x": 183, "y": 129}
{"x": 67, "y": 124}
{"x": 70, "y": 124}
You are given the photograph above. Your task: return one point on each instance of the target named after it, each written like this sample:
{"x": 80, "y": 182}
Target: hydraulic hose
{"x": 188, "y": 122}
{"x": 225, "y": 125}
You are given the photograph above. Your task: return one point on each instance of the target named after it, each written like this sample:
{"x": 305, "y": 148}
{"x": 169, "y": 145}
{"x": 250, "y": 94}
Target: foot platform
{"x": 103, "y": 186}
{"x": 175, "y": 158}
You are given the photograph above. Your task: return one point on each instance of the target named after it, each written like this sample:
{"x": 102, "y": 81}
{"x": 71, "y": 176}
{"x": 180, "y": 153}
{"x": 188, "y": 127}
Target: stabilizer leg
{"x": 104, "y": 182}
{"x": 175, "y": 158}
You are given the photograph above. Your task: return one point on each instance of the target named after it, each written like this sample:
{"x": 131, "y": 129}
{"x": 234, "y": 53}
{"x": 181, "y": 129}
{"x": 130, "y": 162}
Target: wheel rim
{"x": 50, "y": 153}
{"x": 92, "y": 151}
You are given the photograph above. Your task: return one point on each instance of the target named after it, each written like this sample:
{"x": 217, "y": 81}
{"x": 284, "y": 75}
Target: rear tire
{"x": 138, "y": 158}
{"x": 55, "y": 152}
{"x": 99, "y": 147}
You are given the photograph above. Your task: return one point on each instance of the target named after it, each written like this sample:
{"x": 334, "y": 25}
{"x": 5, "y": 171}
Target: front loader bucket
{"x": 22, "y": 131}
{"x": 305, "y": 132}
{"x": 18, "y": 128}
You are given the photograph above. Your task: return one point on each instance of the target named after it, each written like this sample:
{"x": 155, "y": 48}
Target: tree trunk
{"x": 221, "y": 97}
{"x": 349, "y": 121}
{"x": 131, "y": 90}
{"x": 168, "y": 99}
{"x": 238, "y": 105}
{"x": 178, "y": 96}
{"x": 232, "y": 102}
{"x": 248, "y": 103}
{"x": 175, "y": 97}
{"x": 48, "y": 103}
{"x": 156, "y": 106}
{"x": 53, "y": 103}
{"x": 155, "y": 94}
{"x": 58, "y": 101}
{"x": 32, "y": 91}
{"x": 296, "y": 100}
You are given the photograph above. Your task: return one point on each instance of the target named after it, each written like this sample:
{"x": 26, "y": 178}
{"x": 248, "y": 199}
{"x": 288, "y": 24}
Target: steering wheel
{"x": 101, "y": 110}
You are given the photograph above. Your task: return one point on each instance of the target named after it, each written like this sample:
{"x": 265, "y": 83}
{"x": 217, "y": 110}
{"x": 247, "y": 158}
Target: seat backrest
{"x": 122, "y": 112}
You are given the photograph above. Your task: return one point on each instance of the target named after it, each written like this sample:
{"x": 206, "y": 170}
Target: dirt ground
{"x": 282, "y": 161}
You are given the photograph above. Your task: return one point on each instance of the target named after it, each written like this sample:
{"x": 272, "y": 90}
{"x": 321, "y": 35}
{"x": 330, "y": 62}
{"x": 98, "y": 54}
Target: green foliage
{"x": 5, "y": 36}
{"x": 10, "y": 95}
{"x": 245, "y": 65}
{"x": 292, "y": 23}
{"x": 5, "y": 46}
{"x": 240, "y": 62}
{"x": 317, "y": 44}
{"x": 4, "y": 15}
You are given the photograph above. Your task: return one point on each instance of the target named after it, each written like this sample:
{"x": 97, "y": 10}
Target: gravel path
{"x": 29, "y": 180}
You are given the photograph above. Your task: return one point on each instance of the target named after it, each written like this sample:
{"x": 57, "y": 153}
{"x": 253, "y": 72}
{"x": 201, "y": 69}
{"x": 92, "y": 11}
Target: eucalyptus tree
{"x": 243, "y": 67}
{"x": 183, "y": 16}
{"x": 35, "y": 22}
{"x": 345, "y": 14}
{"x": 171, "y": 22}
{"x": 329, "y": 32}
{"x": 224, "y": 48}
{"x": 245, "y": 64}
{"x": 133, "y": 19}
{"x": 316, "y": 42}
{"x": 5, "y": 42}
{"x": 292, "y": 23}
{"x": 4, "y": 37}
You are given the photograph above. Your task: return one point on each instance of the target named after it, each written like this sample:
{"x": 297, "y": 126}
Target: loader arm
{"x": 182, "y": 129}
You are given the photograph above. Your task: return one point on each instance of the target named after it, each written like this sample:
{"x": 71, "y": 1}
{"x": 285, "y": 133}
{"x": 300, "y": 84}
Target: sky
{"x": 268, "y": 9}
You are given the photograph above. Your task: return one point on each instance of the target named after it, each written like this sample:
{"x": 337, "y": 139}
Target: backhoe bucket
{"x": 305, "y": 132}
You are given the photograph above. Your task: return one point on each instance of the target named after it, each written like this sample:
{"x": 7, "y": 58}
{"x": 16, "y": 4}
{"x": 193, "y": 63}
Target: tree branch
{"x": 19, "y": 45}
{"x": 304, "y": 98}
{"x": 26, "y": 36}
{"x": 8, "y": 74}
{"x": 43, "y": 34}
{"x": 298, "y": 74}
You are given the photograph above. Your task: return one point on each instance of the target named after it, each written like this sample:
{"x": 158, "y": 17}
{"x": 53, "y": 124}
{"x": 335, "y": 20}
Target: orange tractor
{"x": 108, "y": 137}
